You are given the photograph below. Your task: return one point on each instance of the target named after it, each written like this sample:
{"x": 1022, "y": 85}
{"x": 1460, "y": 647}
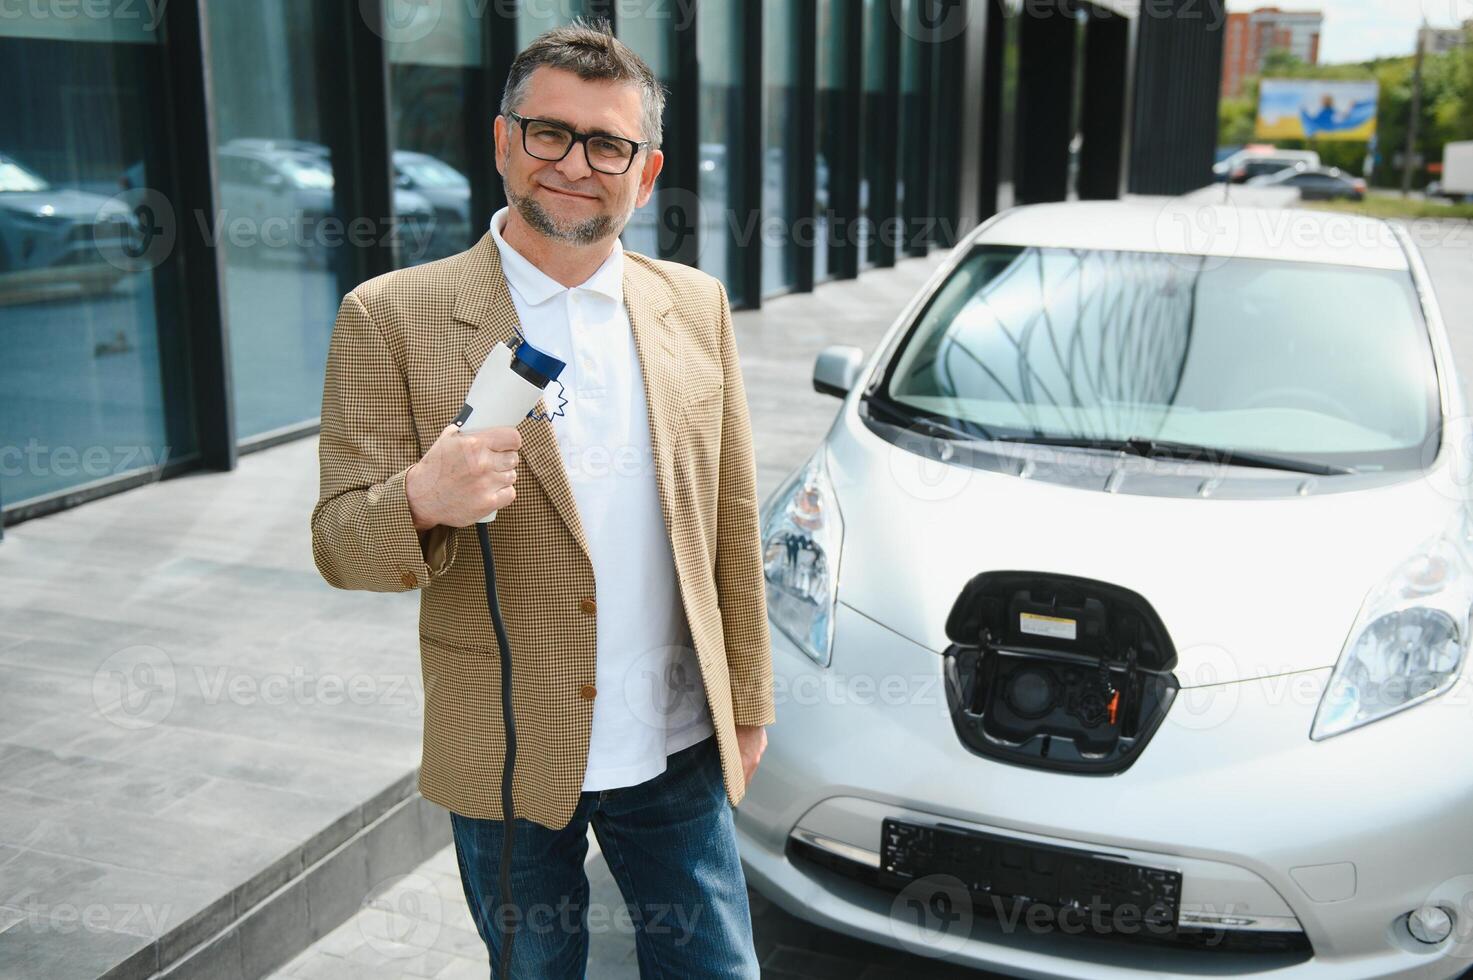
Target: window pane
{"x": 431, "y": 75}
{"x": 278, "y": 225}
{"x": 649, "y": 29}
{"x": 780, "y": 32}
{"x": 536, "y": 16}
{"x": 719, "y": 50}
{"x": 92, "y": 383}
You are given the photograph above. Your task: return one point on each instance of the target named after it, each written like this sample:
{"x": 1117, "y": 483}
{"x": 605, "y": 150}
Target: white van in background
{"x": 1255, "y": 161}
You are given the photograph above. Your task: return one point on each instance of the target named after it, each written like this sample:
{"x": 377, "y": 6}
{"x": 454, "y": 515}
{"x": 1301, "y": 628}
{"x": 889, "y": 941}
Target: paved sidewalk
{"x": 208, "y": 756}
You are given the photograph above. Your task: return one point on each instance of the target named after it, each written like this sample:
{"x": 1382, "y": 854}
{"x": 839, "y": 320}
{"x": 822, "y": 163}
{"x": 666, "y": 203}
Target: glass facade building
{"x": 188, "y": 189}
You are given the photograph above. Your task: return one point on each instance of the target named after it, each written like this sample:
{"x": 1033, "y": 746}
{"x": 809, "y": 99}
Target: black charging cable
{"x": 505, "y": 922}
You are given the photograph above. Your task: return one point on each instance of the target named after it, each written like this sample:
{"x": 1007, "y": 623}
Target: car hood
{"x": 1246, "y": 588}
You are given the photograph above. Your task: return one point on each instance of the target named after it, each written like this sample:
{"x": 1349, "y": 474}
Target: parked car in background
{"x": 285, "y": 187}
{"x": 1316, "y": 183}
{"x": 1120, "y": 622}
{"x": 1246, "y": 164}
{"x": 448, "y": 191}
{"x": 55, "y": 241}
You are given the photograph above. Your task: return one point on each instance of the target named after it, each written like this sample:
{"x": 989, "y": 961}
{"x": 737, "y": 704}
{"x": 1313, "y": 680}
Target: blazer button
{"x": 409, "y": 580}
{"x": 589, "y": 606}
{"x": 588, "y": 692}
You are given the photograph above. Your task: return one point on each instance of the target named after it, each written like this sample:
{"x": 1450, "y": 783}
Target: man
{"x": 627, "y": 551}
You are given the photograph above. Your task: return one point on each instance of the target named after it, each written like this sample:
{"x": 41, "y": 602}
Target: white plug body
{"x": 498, "y": 397}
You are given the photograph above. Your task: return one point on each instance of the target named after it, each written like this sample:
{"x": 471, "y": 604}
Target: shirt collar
{"x": 537, "y": 287}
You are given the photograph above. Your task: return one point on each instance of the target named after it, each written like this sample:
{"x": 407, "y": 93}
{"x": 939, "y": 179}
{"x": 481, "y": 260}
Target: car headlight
{"x": 801, "y": 536}
{"x": 1408, "y": 643}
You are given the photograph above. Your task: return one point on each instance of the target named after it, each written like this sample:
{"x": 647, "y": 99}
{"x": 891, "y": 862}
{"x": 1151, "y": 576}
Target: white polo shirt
{"x": 651, "y": 701}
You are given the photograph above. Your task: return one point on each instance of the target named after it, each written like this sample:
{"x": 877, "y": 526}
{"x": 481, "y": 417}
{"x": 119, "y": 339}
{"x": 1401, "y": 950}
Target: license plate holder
{"x": 1030, "y": 873}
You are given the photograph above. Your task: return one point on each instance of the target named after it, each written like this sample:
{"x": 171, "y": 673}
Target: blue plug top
{"x": 543, "y": 363}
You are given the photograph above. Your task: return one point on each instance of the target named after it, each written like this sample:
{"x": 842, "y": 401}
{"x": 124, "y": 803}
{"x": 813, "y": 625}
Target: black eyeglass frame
{"x": 577, "y": 138}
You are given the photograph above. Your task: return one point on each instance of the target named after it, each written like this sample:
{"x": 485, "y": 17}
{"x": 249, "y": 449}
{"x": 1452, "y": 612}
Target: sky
{"x": 1355, "y": 30}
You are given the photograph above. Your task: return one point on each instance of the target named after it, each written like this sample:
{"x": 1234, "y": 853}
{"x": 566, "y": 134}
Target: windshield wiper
{"x": 1162, "y": 449}
{"x": 930, "y": 424}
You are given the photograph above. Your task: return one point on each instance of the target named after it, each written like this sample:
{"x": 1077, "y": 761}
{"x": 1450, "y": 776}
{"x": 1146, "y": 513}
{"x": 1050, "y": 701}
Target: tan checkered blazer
{"x": 404, "y": 350}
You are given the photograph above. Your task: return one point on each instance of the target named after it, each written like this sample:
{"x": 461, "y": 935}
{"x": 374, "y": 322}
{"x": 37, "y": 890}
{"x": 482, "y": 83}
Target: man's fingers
{"x": 498, "y": 439}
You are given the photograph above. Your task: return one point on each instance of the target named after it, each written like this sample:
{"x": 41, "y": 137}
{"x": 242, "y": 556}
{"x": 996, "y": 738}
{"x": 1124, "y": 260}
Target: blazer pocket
{"x": 703, "y": 391}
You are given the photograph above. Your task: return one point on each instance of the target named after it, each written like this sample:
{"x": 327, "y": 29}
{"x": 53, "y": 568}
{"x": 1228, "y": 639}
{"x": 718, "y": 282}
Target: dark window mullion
{"x": 747, "y": 157}
{"x": 805, "y": 211}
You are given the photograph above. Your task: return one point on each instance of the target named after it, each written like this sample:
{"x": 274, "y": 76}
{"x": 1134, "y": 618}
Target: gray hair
{"x": 591, "y": 51}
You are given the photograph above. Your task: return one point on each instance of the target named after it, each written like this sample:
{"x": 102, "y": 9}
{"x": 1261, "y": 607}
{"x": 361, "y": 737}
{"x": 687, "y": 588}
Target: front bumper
{"x": 1331, "y": 842}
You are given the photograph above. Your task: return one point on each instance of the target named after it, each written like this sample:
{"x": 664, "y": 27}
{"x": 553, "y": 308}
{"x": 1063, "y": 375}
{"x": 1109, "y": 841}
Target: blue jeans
{"x": 671, "y": 846}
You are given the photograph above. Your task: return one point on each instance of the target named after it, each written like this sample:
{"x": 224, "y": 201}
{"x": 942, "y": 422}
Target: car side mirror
{"x": 274, "y": 181}
{"x": 836, "y": 370}
{"x": 404, "y": 182}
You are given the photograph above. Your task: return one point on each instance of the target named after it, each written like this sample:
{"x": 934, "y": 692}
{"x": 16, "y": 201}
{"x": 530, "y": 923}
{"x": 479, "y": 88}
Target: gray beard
{"x": 582, "y": 233}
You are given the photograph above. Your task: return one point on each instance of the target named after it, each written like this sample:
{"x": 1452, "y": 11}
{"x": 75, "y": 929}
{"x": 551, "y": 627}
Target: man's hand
{"x": 464, "y": 477}
{"x": 752, "y": 741}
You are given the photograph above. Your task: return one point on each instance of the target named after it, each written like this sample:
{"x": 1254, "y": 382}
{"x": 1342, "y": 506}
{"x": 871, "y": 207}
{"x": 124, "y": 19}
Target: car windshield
{"x": 1320, "y": 363}
{"x": 14, "y": 177}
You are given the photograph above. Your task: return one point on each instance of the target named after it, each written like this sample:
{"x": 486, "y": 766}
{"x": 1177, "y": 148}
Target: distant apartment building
{"x": 1441, "y": 40}
{"x": 1252, "y": 35}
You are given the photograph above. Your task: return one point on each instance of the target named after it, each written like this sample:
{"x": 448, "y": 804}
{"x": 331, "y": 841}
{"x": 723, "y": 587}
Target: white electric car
{"x": 1120, "y": 622}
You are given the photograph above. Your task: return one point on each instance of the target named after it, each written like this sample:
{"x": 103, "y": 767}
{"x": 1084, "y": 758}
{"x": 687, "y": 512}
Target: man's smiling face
{"x": 567, "y": 200}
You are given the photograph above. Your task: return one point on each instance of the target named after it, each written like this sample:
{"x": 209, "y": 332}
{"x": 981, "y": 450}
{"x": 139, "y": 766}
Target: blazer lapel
{"x": 658, "y": 344}
{"x": 483, "y": 301}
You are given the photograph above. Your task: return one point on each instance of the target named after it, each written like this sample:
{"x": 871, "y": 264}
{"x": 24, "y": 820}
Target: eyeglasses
{"x": 551, "y": 141}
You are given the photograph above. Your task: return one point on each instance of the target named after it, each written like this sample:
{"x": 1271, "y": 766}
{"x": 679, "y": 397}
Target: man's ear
{"x": 652, "y": 168}
{"x": 501, "y": 135}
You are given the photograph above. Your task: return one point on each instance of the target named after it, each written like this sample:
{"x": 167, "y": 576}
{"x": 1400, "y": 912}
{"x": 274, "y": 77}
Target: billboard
{"x": 1306, "y": 108}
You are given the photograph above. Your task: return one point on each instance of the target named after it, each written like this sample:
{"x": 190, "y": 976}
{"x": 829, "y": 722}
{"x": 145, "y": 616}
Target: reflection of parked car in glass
{"x": 449, "y": 193}
{"x": 1316, "y": 183}
{"x": 290, "y": 184}
{"x": 54, "y": 240}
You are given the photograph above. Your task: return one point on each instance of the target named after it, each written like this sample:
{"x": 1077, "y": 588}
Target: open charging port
{"x": 1057, "y": 672}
